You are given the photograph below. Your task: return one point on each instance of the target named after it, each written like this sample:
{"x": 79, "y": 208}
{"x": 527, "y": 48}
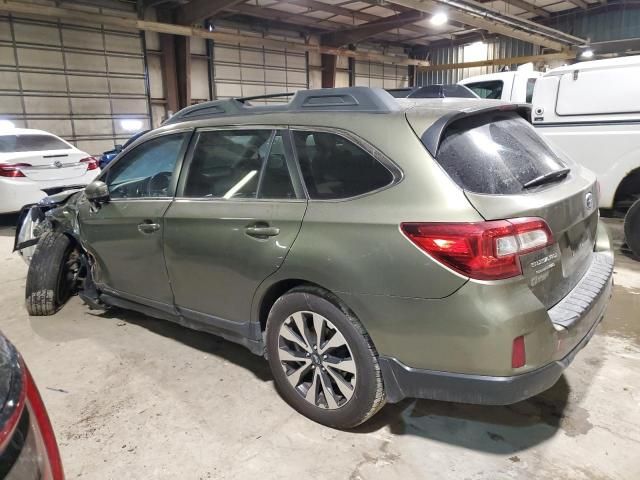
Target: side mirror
{"x": 97, "y": 192}
{"x": 119, "y": 148}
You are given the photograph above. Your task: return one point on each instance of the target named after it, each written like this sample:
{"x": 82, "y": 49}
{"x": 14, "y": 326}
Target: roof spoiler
{"x": 433, "y": 135}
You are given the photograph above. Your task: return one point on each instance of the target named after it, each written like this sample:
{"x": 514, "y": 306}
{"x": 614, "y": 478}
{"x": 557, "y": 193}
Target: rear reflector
{"x": 518, "y": 354}
{"x": 92, "y": 163}
{"x": 483, "y": 250}
{"x": 12, "y": 170}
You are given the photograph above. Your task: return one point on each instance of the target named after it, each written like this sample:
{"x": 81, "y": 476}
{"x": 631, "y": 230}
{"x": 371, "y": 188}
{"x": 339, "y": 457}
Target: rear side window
{"x": 30, "y": 143}
{"x": 334, "y": 167}
{"x": 236, "y": 164}
{"x": 495, "y": 153}
{"x": 490, "y": 89}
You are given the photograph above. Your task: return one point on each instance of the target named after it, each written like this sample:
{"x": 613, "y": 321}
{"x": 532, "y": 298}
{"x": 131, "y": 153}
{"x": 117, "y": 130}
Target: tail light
{"x": 28, "y": 433}
{"x": 12, "y": 170}
{"x": 45, "y": 439}
{"x": 483, "y": 250}
{"x": 92, "y": 163}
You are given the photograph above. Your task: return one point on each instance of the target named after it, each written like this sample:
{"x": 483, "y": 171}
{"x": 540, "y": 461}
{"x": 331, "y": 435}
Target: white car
{"x": 591, "y": 112}
{"x": 516, "y": 87}
{"x": 34, "y": 164}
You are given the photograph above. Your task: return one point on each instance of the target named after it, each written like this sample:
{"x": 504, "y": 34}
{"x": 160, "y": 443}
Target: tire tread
{"x": 42, "y": 278}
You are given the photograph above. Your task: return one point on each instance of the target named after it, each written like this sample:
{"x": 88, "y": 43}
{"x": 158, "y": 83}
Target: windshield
{"x": 30, "y": 143}
{"x": 495, "y": 153}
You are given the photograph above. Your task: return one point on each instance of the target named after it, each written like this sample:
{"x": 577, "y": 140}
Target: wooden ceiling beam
{"x": 128, "y": 22}
{"x": 361, "y": 32}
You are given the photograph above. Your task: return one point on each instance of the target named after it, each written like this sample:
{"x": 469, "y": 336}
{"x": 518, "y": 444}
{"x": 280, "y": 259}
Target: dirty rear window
{"x": 30, "y": 143}
{"x": 495, "y": 153}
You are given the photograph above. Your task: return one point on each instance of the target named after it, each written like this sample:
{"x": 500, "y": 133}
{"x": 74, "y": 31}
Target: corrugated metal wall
{"x": 505, "y": 47}
{"x": 601, "y": 26}
{"x": 597, "y": 26}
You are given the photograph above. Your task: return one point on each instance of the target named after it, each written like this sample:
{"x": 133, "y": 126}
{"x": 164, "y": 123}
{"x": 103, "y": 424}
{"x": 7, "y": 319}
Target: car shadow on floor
{"x": 202, "y": 341}
{"x": 489, "y": 429}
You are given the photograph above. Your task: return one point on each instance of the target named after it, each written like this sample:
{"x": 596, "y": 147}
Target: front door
{"x": 238, "y": 211}
{"x": 125, "y": 234}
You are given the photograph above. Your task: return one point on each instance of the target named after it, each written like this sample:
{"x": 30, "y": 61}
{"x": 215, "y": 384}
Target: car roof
{"x": 337, "y": 101}
{"x": 596, "y": 65}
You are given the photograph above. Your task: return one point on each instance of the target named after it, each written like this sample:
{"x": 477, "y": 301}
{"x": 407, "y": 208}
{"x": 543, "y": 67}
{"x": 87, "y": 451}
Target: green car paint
{"x": 201, "y": 269}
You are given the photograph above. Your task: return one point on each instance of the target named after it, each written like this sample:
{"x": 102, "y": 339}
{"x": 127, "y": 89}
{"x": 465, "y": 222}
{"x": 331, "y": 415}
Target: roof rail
{"x": 352, "y": 99}
{"x": 264, "y": 97}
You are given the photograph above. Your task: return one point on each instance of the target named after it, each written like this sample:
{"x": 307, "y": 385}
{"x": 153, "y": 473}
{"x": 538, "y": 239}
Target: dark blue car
{"x": 109, "y": 155}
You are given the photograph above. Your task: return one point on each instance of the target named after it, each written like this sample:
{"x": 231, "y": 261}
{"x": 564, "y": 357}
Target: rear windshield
{"x": 30, "y": 143}
{"x": 495, "y": 153}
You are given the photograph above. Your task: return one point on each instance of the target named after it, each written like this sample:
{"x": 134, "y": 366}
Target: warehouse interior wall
{"x": 95, "y": 86}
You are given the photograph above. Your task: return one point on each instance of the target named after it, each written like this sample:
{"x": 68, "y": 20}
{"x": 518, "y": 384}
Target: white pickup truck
{"x": 514, "y": 87}
{"x": 591, "y": 112}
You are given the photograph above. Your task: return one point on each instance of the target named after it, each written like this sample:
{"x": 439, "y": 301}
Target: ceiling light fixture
{"x": 588, "y": 53}
{"x": 439, "y": 19}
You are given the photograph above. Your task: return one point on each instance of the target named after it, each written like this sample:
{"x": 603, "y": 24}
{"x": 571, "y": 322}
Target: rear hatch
{"x": 42, "y": 157}
{"x": 507, "y": 171}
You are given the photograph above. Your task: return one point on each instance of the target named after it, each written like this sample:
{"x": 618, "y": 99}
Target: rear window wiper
{"x": 547, "y": 178}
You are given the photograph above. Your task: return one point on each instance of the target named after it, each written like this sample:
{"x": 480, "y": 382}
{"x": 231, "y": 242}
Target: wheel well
{"x": 274, "y": 292}
{"x": 628, "y": 190}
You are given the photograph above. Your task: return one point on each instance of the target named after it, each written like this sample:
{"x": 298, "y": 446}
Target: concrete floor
{"x": 131, "y": 397}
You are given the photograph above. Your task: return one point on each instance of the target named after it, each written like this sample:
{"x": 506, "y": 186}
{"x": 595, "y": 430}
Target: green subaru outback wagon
{"x": 371, "y": 248}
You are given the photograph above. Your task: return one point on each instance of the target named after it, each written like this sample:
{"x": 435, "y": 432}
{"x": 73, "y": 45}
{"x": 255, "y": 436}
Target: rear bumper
{"x": 581, "y": 312}
{"x": 17, "y": 192}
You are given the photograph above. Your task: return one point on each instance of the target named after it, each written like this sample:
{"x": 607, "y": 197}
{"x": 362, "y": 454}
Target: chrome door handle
{"x": 262, "y": 232}
{"x": 147, "y": 228}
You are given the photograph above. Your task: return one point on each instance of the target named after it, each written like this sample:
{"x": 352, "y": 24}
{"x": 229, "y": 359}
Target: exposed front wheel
{"x": 632, "y": 228}
{"x": 50, "y": 281}
{"x": 323, "y": 362}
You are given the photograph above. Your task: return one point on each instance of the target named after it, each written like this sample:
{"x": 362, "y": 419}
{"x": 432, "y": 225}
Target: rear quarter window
{"x": 336, "y": 168}
{"x": 495, "y": 153}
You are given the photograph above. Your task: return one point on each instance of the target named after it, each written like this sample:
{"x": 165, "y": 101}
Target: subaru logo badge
{"x": 57, "y": 164}
{"x": 588, "y": 200}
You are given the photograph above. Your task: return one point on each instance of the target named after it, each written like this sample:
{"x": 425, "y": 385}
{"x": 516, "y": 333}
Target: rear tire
{"x": 48, "y": 286}
{"x": 341, "y": 386}
{"x": 632, "y": 228}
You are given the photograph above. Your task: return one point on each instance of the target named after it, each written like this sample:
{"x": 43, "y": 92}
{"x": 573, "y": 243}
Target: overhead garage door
{"x": 382, "y": 75}
{"x": 241, "y": 71}
{"x": 85, "y": 84}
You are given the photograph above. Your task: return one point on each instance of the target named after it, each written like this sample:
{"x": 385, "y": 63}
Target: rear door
{"x": 508, "y": 171}
{"x": 44, "y": 157}
{"x": 125, "y": 234}
{"x": 239, "y": 208}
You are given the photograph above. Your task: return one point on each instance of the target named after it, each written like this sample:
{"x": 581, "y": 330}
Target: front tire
{"x": 632, "y": 228}
{"x": 49, "y": 285}
{"x": 323, "y": 361}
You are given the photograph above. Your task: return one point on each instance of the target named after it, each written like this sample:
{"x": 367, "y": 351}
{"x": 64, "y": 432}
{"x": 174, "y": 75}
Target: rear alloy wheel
{"x": 318, "y": 363}
{"x": 632, "y": 228}
{"x": 322, "y": 360}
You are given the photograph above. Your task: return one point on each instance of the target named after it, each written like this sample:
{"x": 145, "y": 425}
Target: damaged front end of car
{"x": 50, "y": 213}
{"x": 59, "y": 213}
